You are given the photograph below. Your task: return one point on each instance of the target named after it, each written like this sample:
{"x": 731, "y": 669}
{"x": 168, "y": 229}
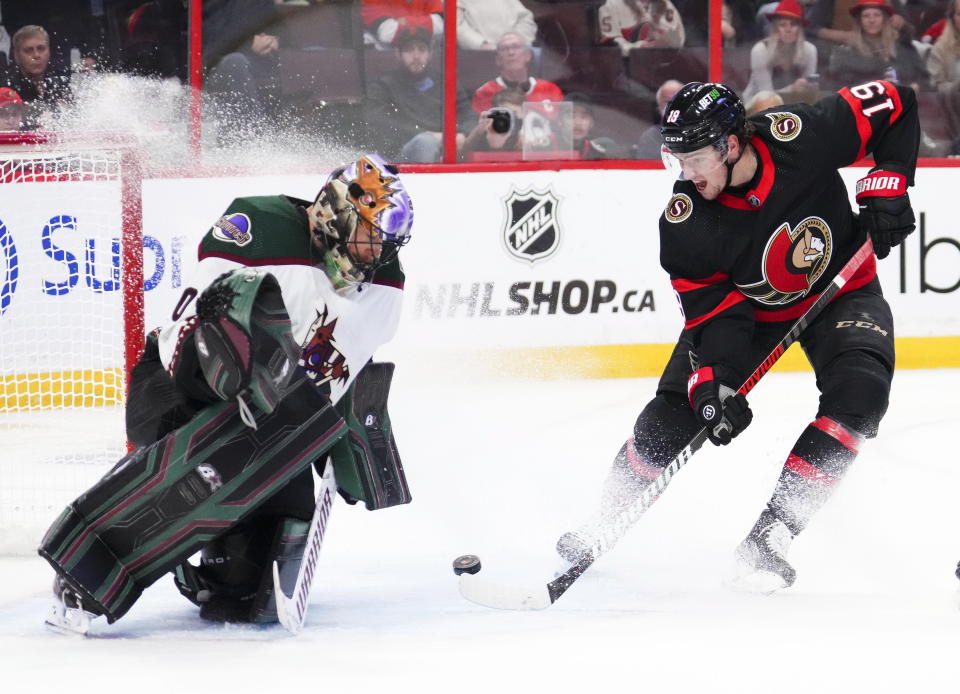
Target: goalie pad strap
{"x": 162, "y": 503}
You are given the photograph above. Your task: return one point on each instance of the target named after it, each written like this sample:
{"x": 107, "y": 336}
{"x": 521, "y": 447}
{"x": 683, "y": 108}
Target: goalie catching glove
{"x": 885, "y": 211}
{"x": 719, "y": 408}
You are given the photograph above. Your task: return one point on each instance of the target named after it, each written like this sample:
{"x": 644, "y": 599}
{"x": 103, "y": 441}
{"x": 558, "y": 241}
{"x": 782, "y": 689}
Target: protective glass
{"x": 689, "y": 165}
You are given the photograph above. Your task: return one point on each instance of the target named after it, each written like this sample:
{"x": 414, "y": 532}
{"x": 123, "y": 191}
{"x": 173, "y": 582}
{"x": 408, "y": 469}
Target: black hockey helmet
{"x": 699, "y": 115}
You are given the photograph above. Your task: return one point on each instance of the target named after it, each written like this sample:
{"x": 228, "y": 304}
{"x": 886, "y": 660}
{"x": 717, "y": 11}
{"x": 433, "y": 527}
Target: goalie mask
{"x": 361, "y": 217}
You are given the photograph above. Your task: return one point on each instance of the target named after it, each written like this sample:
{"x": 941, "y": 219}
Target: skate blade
{"x": 68, "y": 620}
{"x": 758, "y": 583}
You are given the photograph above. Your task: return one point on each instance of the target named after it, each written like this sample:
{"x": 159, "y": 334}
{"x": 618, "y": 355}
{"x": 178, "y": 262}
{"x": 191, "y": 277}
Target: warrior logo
{"x": 233, "y": 228}
{"x": 531, "y": 231}
{"x": 679, "y": 208}
{"x": 793, "y": 261}
{"x": 209, "y": 474}
{"x": 321, "y": 358}
{"x": 784, "y": 126}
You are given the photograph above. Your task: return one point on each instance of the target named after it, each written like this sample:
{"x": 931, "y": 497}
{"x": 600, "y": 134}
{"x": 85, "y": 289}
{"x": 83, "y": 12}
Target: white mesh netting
{"x": 61, "y": 332}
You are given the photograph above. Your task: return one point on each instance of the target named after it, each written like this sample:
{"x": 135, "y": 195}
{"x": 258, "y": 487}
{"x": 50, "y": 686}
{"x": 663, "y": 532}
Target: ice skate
{"x": 626, "y": 481}
{"x": 762, "y": 566}
{"x": 67, "y": 614}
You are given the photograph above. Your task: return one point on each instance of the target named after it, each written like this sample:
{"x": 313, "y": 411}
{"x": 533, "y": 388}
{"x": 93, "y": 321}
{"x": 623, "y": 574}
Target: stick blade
{"x": 498, "y": 596}
{"x": 287, "y": 613}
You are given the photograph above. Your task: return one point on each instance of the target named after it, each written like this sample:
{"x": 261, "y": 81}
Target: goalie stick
{"x": 292, "y": 609}
{"x": 475, "y": 588}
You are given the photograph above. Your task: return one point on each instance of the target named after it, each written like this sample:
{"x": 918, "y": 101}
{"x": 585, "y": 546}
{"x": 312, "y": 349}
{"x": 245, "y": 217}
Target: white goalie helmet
{"x": 361, "y": 216}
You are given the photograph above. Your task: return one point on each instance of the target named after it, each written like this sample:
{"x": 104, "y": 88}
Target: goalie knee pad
{"x": 234, "y": 581}
{"x": 856, "y": 391}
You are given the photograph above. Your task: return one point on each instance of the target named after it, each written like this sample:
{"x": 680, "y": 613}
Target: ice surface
{"x": 500, "y": 470}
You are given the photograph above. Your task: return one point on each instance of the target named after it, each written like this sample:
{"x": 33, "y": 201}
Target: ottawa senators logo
{"x": 321, "y": 358}
{"x": 679, "y": 208}
{"x": 793, "y": 261}
{"x": 784, "y": 126}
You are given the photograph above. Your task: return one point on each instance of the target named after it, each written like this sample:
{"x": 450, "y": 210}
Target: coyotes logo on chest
{"x": 321, "y": 358}
{"x": 794, "y": 259}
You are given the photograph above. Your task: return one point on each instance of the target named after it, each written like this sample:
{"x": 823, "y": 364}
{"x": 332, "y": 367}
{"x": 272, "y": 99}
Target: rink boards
{"x": 535, "y": 274}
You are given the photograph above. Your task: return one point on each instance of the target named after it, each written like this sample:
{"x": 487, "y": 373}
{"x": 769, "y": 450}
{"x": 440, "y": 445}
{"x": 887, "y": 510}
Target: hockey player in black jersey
{"x": 758, "y": 224}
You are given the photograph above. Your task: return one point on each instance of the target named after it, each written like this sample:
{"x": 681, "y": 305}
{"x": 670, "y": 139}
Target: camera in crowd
{"x": 503, "y": 120}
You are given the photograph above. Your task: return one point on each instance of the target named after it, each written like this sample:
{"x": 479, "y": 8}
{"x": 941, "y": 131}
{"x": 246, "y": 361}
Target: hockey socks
{"x": 627, "y": 479}
{"x": 818, "y": 461}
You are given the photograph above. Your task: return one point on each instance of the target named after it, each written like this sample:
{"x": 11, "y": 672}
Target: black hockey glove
{"x": 885, "y": 211}
{"x": 720, "y": 409}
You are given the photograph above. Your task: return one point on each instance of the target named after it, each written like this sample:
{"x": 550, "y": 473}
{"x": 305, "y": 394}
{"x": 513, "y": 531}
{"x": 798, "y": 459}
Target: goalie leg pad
{"x": 366, "y": 461}
{"x": 164, "y": 502}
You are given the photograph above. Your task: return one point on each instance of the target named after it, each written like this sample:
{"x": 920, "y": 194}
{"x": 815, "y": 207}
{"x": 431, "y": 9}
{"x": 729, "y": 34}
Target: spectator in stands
{"x": 876, "y": 50}
{"x": 243, "y": 61}
{"x": 648, "y": 146}
{"x": 582, "y": 122}
{"x": 785, "y": 59}
{"x": 405, "y": 106}
{"x": 763, "y": 100}
{"x": 737, "y": 22}
{"x": 832, "y": 21}
{"x": 943, "y": 62}
{"x": 485, "y": 138}
{"x": 11, "y": 110}
{"x": 383, "y": 19}
{"x": 30, "y": 76}
{"x": 480, "y": 23}
{"x": 640, "y": 24}
{"x": 513, "y": 60}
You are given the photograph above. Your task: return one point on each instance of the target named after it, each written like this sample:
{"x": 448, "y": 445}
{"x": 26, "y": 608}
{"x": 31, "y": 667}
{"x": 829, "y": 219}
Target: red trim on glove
{"x": 881, "y": 184}
{"x": 697, "y": 379}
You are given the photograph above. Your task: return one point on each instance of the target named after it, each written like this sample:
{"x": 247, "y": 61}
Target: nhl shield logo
{"x": 532, "y": 230}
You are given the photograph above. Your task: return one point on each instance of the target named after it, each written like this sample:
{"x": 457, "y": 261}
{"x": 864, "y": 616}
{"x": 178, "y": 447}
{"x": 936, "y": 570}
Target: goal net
{"x": 71, "y": 322}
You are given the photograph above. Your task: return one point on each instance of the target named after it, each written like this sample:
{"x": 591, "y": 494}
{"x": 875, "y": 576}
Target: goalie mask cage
{"x": 71, "y": 320}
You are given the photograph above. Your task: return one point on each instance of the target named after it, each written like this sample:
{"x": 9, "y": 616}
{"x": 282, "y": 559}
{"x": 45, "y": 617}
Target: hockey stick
{"x": 474, "y": 588}
{"x": 292, "y": 610}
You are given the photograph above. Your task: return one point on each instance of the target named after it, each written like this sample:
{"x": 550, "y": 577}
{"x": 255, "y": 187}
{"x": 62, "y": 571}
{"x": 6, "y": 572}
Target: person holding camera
{"x": 499, "y": 128}
{"x": 513, "y": 60}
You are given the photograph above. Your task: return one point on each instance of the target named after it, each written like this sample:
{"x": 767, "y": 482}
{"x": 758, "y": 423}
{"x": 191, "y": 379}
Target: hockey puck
{"x": 466, "y": 564}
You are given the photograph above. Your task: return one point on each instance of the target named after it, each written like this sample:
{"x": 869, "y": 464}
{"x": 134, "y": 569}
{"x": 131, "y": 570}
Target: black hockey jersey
{"x": 764, "y": 250}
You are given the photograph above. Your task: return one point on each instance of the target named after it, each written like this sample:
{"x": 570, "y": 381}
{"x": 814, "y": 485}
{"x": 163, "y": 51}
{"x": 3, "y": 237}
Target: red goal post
{"x": 71, "y": 318}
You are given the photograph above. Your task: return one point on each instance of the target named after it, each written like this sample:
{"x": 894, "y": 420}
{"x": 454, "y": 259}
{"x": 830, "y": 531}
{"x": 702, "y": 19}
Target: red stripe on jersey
{"x": 862, "y": 277}
{"x": 850, "y": 439}
{"x": 807, "y": 471}
{"x": 897, "y": 104}
{"x": 863, "y": 123}
{"x": 681, "y": 285}
{"x": 731, "y": 299}
{"x": 760, "y": 193}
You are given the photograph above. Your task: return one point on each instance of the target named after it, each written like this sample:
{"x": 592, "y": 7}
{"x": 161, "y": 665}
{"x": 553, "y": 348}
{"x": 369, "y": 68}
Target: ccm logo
{"x": 861, "y": 324}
